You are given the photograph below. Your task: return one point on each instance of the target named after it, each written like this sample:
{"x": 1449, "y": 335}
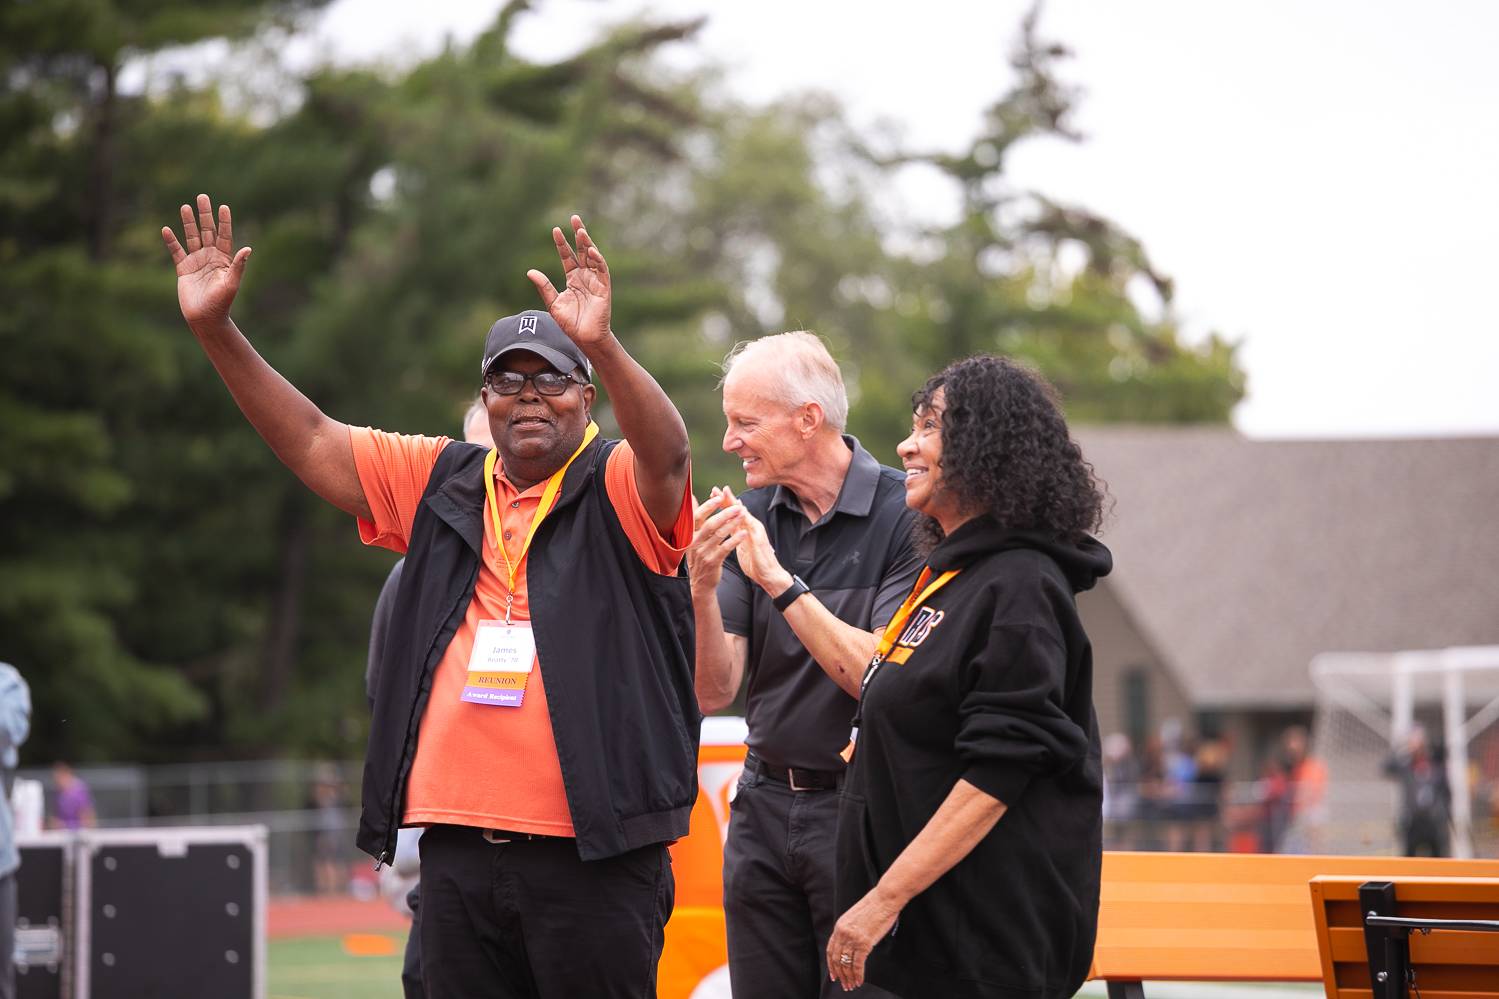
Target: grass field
{"x": 320, "y": 968}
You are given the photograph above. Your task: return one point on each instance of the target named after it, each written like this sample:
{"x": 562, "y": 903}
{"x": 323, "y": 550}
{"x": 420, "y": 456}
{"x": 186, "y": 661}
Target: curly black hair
{"x": 1006, "y": 450}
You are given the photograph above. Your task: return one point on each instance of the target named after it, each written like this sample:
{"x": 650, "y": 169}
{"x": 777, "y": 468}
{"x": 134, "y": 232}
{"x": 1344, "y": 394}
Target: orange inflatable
{"x": 693, "y": 963}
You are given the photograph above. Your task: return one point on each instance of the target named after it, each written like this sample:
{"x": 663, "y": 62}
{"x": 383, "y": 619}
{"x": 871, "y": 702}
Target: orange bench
{"x": 1228, "y": 917}
{"x": 1448, "y": 962}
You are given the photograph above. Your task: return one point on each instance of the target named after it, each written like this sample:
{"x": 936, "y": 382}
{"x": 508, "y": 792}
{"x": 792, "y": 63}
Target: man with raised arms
{"x": 535, "y": 709}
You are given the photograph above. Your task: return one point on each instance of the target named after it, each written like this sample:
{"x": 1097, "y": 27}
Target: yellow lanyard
{"x": 917, "y": 597}
{"x": 548, "y": 496}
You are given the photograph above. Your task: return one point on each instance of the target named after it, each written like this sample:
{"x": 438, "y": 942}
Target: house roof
{"x": 1239, "y": 560}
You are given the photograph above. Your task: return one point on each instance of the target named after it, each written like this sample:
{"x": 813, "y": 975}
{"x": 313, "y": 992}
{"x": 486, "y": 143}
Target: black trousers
{"x": 778, "y": 892}
{"x": 411, "y": 968}
{"x": 7, "y": 936}
{"x": 1426, "y": 838}
{"x": 529, "y": 920}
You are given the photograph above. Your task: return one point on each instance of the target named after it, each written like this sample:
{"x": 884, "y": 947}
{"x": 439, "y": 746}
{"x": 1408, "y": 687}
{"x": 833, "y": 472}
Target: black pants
{"x": 7, "y": 936}
{"x": 529, "y": 920}
{"x": 1426, "y": 838}
{"x": 778, "y": 892}
{"x": 411, "y": 968}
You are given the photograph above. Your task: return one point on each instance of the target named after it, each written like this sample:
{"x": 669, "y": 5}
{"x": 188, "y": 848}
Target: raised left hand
{"x": 582, "y": 308}
{"x": 758, "y": 559}
{"x": 854, "y": 936}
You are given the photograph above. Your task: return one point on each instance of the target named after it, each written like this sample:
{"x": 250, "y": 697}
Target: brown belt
{"x": 506, "y": 836}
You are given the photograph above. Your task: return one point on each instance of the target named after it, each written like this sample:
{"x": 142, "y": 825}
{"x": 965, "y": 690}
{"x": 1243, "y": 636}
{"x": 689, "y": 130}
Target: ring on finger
{"x": 845, "y": 959}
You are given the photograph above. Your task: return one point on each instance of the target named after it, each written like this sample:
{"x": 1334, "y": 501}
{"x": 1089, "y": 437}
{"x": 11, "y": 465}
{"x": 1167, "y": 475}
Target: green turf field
{"x": 318, "y": 968}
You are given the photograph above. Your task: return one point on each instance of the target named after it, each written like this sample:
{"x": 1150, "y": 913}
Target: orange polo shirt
{"x": 482, "y": 764}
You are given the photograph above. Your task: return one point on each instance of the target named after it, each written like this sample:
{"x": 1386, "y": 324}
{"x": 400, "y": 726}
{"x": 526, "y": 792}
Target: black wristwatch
{"x": 796, "y": 589}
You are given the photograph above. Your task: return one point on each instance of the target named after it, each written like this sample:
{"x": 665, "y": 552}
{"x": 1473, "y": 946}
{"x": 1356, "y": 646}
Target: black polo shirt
{"x": 859, "y": 561}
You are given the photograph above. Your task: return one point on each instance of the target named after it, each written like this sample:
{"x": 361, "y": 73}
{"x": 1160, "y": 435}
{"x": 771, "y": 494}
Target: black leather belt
{"x": 800, "y": 780}
{"x": 506, "y": 836}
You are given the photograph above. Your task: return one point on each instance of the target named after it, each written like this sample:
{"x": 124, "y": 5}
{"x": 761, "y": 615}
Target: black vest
{"x": 614, "y": 641}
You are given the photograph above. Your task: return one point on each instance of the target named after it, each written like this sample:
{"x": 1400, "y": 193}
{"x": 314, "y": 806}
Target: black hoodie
{"x": 996, "y": 689}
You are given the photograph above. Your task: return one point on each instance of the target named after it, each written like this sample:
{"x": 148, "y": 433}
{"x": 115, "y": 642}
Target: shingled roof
{"x": 1239, "y": 560}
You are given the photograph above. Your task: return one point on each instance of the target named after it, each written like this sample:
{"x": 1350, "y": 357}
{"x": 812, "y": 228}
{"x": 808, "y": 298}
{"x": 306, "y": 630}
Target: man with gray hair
{"x": 791, "y": 584}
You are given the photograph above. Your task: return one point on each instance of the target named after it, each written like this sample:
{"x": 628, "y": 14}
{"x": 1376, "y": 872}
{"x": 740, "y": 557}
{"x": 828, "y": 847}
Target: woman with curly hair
{"x": 970, "y": 830}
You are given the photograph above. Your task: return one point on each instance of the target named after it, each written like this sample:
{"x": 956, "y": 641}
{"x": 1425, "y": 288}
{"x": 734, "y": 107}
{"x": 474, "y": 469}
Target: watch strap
{"x": 792, "y": 592}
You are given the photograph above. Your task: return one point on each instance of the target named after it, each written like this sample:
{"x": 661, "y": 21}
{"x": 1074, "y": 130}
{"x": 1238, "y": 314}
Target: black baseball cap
{"x": 539, "y": 333}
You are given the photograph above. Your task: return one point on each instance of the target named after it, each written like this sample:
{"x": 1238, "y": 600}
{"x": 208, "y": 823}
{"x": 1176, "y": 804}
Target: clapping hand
{"x": 717, "y": 530}
{"x": 208, "y": 271}
{"x": 582, "y": 308}
{"x": 758, "y": 559}
{"x": 723, "y": 525}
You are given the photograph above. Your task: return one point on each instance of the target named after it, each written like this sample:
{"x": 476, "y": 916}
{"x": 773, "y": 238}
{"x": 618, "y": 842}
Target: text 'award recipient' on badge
{"x": 501, "y": 663}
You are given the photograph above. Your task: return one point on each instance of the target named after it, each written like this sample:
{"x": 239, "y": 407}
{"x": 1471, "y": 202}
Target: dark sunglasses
{"x": 511, "y": 382}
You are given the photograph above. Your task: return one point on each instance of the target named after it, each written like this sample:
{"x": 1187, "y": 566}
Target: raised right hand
{"x": 208, "y": 271}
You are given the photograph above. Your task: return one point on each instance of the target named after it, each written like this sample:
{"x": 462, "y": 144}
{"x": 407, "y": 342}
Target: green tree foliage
{"x": 87, "y": 351}
{"x": 171, "y": 591}
{"x": 1049, "y": 283}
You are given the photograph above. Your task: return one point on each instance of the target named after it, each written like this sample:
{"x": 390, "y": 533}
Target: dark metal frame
{"x": 1387, "y": 938}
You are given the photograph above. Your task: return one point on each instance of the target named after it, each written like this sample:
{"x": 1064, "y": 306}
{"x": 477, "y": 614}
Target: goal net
{"x": 1366, "y": 705}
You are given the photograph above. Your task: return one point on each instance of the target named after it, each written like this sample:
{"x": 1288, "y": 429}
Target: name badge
{"x": 500, "y": 664}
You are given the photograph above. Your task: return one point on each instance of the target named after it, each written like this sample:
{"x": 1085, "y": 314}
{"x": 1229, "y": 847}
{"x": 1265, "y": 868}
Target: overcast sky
{"x": 1318, "y": 177}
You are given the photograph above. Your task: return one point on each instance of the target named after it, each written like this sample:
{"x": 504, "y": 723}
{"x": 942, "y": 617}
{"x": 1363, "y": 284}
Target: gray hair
{"x": 802, "y": 371}
{"x": 474, "y": 409}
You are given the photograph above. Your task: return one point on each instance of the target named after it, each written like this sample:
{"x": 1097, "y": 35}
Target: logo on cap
{"x": 528, "y": 324}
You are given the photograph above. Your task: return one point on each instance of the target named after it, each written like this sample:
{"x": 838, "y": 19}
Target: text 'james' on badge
{"x": 500, "y": 664}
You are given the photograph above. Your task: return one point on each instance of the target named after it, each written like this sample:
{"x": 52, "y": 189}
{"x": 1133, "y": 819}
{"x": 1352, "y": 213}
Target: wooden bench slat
{"x": 1236, "y": 917}
{"x": 1179, "y": 891}
{"x": 1207, "y": 965}
{"x": 1441, "y": 947}
{"x": 1192, "y": 917}
{"x": 1444, "y": 890}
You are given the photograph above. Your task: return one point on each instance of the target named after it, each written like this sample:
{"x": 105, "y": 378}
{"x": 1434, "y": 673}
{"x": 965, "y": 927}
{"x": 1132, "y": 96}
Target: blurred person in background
{"x": 1180, "y": 771}
{"x": 973, "y": 809}
{"x": 1121, "y": 791}
{"x": 74, "y": 807}
{"x": 1307, "y": 788}
{"x": 330, "y": 870}
{"x": 504, "y": 656}
{"x": 15, "y": 726}
{"x": 1154, "y": 809}
{"x": 1426, "y": 798}
{"x": 790, "y": 582}
{"x": 1206, "y": 794}
{"x": 407, "y": 866}
{"x": 1272, "y": 795}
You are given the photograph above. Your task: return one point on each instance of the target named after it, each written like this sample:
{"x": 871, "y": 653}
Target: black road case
{"x": 44, "y": 916}
{"x": 171, "y": 913}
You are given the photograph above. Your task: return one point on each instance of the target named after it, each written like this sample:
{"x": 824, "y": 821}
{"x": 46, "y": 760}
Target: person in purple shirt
{"x": 75, "y": 803}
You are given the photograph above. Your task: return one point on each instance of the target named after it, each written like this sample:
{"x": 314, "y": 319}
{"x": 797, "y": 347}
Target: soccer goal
{"x": 1366, "y": 705}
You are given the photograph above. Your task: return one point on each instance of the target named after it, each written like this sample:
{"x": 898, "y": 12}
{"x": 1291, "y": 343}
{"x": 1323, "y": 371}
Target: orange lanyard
{"x": 919, "y": 593}
{"x": 915, "y": 600}
{"x": 548, "y": 496}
